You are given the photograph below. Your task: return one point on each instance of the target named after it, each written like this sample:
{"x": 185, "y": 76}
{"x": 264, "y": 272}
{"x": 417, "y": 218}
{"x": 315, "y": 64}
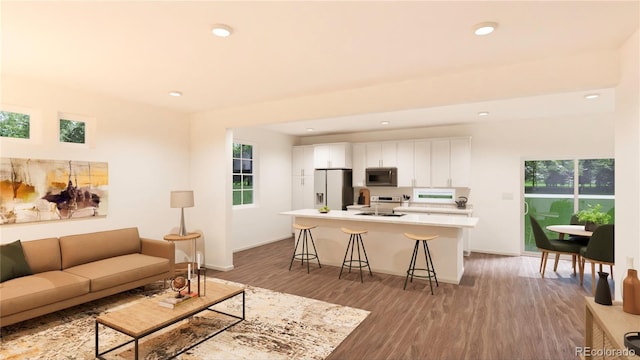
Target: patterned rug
{"x": 276, "y": 326}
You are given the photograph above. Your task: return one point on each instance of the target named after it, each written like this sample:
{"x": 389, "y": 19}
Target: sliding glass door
{"x": 554, "y": 190}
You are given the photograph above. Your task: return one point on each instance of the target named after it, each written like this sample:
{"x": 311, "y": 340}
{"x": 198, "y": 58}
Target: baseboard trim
{"x": 220, "y": 268}
{"x": 260, "y": 244}
{"x": 491, "y": 252}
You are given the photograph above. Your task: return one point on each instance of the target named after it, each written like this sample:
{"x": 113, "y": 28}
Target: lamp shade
{"x": 182, "y": 199}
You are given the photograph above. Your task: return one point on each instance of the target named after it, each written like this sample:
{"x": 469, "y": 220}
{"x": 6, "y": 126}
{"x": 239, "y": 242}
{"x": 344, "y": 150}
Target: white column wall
{"x": 211, "y": 181}
{"x": 627, "y": 134}
{"x": 261, "y": 223}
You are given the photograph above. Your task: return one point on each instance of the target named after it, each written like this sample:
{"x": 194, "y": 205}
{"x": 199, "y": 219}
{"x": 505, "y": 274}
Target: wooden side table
{"x": 189, "y": 237}
{"x": 605, "y": 327}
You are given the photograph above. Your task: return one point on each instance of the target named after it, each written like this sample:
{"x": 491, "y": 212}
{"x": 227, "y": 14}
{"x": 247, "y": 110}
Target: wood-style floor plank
{"x": 502, "y": 308}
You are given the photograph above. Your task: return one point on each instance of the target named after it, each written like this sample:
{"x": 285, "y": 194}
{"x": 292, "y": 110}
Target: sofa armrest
{"x": 160, "y": 248}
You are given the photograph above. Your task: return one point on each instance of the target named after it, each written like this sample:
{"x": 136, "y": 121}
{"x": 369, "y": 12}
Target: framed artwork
{"x": 34, "y": 190}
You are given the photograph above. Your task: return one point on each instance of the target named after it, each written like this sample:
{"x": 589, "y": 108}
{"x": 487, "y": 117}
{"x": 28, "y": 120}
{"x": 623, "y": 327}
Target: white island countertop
{"x": 441, "y": 220}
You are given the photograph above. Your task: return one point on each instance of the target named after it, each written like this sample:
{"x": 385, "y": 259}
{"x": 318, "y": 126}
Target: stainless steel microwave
{"x": 381, "y": 176}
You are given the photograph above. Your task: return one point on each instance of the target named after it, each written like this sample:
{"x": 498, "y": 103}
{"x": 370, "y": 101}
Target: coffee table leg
{"x": 136, "y": 349}
{"x": 97, "y": 339}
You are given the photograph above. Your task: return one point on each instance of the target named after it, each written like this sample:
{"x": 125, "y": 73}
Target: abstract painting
{"x": 33, "y": 190}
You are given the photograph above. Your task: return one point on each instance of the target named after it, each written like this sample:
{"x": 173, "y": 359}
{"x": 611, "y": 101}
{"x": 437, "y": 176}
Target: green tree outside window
{"x": 72, "y": 131}
{"x": 15, "y": 125}
{"x": 242, "y": 174}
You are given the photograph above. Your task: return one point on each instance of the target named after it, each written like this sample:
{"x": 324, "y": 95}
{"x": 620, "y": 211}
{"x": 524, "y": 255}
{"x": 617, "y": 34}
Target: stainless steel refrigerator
{"x": 333, "y": 188}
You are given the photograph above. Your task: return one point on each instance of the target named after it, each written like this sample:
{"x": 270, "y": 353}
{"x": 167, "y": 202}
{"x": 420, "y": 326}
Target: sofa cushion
{"x": 85, "y": 248}
{"x": 119, "y": 270}
{"x": 40, "y": 289}
{"x": 42, "y": 255}
{"x": 12, "y": 262}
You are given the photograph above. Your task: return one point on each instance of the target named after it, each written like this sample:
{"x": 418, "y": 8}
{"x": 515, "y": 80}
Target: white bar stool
{"x": 355, "y": 240}
{"x": 430, "y": 270}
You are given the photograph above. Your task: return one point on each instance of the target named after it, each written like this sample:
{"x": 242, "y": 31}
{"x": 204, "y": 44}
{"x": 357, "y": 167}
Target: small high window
{"x": 15, "y": 125}
{"x": 72, "y": 131}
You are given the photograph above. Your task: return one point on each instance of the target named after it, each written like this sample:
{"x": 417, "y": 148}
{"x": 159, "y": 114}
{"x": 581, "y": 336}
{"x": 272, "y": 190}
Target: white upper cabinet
{"x": 359, "y": 160}
{"x": 460, "y": 168}
{"x": 302, "y": 161}
{"x": 381, "y": 154}
{"x": 405, "y": 164}
{"x": 414, "y": 163}
{"x": 440, "y": 159}
{"x": 337, "y": 155}
{"x": 422, "y": 163}
{"x": 451, "y": 162}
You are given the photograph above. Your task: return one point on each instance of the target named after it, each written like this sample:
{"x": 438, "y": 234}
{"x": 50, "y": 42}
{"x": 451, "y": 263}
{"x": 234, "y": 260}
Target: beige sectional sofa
{"x": 71, "y": 270}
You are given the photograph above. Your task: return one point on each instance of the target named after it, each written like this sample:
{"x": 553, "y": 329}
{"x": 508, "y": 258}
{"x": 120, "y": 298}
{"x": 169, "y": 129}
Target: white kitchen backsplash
{"x": 439, "y": 206}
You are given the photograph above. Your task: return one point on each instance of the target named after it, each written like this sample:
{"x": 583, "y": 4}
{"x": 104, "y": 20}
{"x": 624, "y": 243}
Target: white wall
{"x": 497, "y": 154}
{"x": 259, "y": 224}
{"x": 147, "y": 150}
{"x": 210, "y": 149}
{"x": 627, "y": 133}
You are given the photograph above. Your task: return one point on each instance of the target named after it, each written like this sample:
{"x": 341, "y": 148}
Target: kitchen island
{"x": 389, "y": 251}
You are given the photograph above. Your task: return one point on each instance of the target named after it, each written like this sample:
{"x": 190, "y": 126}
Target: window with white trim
{"x": 76, "y": 130}
{"x": 243, "y": 175}
{"x": 72, "y": 131}
{"x": 15, "y": 125}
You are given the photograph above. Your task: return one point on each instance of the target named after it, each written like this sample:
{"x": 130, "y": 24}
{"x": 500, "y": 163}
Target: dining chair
{"x": 582, "y": 240}
{"x": 559, "y": 247}
{"x": 600, "y": 250}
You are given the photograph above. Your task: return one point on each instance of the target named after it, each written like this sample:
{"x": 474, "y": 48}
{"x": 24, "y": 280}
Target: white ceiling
{"x": 141, "y": 50}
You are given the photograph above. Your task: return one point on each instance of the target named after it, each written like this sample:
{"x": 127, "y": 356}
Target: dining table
{"x": 577, "y": 230}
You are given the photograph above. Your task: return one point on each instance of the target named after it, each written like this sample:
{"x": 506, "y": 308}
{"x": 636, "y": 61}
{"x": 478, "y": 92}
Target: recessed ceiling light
{"x": 309, "y": 129}
{"x": 483, "y": 113}
{"x": 384, "y": 123}
{"x": 592, "y": 96}
{"x": 221, "y": 30}
{"x": 484, "y": 28}
{"x": 175, "y": 93}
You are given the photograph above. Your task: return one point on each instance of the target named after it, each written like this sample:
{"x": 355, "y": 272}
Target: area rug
{"x": 276, "y": 326}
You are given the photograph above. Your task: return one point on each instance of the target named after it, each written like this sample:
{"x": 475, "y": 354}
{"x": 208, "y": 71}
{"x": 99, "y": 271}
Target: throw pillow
{"x": 12, "y": 262}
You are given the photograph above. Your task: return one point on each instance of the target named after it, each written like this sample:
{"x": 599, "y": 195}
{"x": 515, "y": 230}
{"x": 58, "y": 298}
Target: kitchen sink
{"x": 379, "y": 214}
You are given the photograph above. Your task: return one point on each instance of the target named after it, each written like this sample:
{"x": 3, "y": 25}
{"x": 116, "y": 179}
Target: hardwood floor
{"x": 502, "y": 308}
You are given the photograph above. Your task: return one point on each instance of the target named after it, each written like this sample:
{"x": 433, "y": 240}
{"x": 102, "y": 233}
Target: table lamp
{"x": 182, "y": 199}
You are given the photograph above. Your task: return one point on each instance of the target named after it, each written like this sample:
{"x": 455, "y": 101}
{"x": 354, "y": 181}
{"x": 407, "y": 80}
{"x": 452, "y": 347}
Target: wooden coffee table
{"x": 147, "y": 316}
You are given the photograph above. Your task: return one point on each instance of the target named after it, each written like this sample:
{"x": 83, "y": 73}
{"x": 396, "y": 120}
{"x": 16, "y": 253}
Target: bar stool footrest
{"x": 361, "y": 264}
{"x": 428, "y": 273}
{"x": 304, "y": 256}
